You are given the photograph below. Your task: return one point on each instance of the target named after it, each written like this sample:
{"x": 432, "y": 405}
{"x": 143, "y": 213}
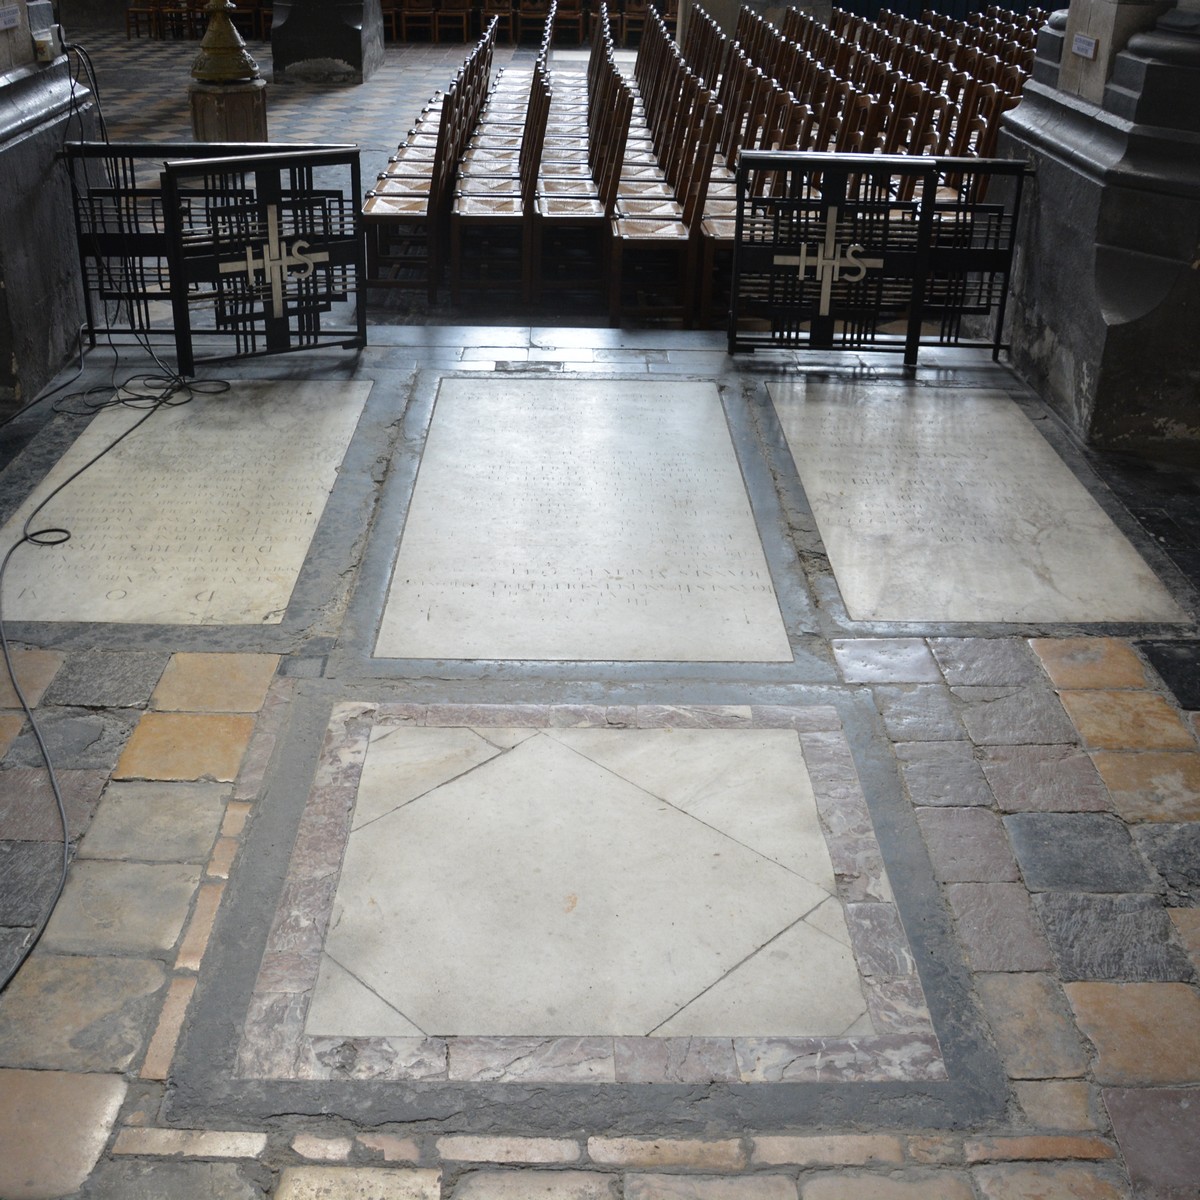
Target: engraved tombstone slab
{"x": 607, "y": 521}
{"x": 202, "y": 516}
{"x": 939, "y": 506}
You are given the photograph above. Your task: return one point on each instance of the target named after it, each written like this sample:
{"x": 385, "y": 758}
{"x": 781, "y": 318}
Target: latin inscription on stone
{"x": 202, "y": 516}
{"x": 941, "y": 506}
{"x": 607, "y": 520}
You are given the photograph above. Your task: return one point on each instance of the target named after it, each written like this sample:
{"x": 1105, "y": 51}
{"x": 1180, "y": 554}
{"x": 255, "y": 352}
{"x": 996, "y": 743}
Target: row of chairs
{"x": 517, "y": 20}
{"x": 188, "y": 18}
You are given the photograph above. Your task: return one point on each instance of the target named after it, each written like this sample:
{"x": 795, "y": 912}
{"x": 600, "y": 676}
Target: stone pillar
{"x": 326, "y": 41}
{"x": 41, "y": 299}
{"x": 1105, "y": 314}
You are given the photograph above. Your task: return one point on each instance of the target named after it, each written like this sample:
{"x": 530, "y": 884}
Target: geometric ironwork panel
{"x": 869, "y": 252}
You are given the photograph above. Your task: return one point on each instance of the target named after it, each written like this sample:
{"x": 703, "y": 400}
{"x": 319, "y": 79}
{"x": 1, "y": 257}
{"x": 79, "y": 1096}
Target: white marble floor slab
{"x": 607, "y": 521}
{"x": 202, "y": 516}
{"x": 940, "y": 506}
{"x": 560, "y": 883}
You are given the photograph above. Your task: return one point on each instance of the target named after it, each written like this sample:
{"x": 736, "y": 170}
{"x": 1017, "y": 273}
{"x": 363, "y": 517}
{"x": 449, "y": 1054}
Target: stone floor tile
{"x": 1030, "y": 1147}
{"x": 161, "y": 1051}
{"x": 29, "y": 875}
{"x": 391, "y": 1147}
{"x": 723, "y": 1154}
{"x": 359, "y": 1183}
{"x": 1174, "y": 852}
{"x": 190, "y": 1143}
{"x": 1144, "y": 1033}
{"x": 121, "y": 908}
{"x": 53, "y": 1126}
{"x": 162, "y": 1179}
{"x": 107, "y": 679}
{"x": 215, "y": 682}
{"x": 1121, "y": 937}
{"x": 78, "y": 739}
{"x": 997, "y": 927}
{"x": 78, "y": 1013}
{"x": 29, "y": 812}
{"x": 1056, "y": 1103}
{"x": 156, "y": 822}
{"x": 1127, "y": 721}
{"x": 942, "y": 773}
{"x": 1087, "y": 662}
{"x": 1043, "y": 779}
{"x": 694, "y": 1187}
{"x": 199, "y": 927}
{"x": 1013, "y": 716}
{"x": 1032, "y": 1026}
{"x": 966, "y": 845}
{"x": 918, "y": 713}
{"x": 1187, "y": 927}
{"x": 1158, "y": 1130}
{"x": 845, "y": 1150}
{"x": 884, "y": 660}
{"x": 35, "y": 669}
{"x": 186, "y": 746}
{"x": 1049, "y": 1181}
{"x": 934, "y": 1149}
{"x": 1081, "y": 852}
{"x": 11, "y": 725}
{"x": 465, "y": 1148}
{"x": 220, "y": 863}
{"x": 989, "y": 662}
{"x": 1177, "y": 664}
{"x": 536, "y": 1185}
{"x": 945, "y": 1185}
{"x": 1159, "y": 785}
{"x": 323, "y": 1149}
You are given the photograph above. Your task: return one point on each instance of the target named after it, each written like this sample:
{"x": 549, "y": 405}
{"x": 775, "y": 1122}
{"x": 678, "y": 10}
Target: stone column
{"x": 1106, "y": 289}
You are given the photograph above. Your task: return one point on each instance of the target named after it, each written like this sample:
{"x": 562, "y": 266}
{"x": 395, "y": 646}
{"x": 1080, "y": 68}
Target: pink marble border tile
{"x": 904, "y": 1046}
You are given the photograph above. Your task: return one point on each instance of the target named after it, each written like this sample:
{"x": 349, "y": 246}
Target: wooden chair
{"x": 417, "y": 16}
{"x": 531, "y": 18}
{"x": 500, "y": 11}
{"x": 454, "y": 16}
{"x": 141, "y": 16}
{"x": 633, "y": 19}
{"x": 571, "y": 18}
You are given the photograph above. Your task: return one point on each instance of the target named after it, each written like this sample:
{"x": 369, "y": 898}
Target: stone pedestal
{"x": 1106, "y": 295}
{"x": 229, "y": 112}
{"x": 326, "y": 41}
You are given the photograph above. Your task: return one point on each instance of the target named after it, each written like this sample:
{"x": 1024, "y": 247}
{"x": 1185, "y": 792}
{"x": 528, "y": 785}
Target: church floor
{"x": 566, "y": 763}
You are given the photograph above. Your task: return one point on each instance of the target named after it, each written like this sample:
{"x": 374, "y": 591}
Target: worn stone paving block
{"x": 997, "y": 927}
{"x": 35, "y": 669}
{"x": 1158, "y": 1130}
{"x": 1127, "y": 721}
{"x": 359, "y": 1183}
{"x": 1144, "y": 1033}
{"x": 847, "y": 1150}
{"x": 1153, "y": 786}
{"x": 465, "y": 1148}
{"x": 391, "y": 1147}
{"x": 323, "y": 1149}
{"x": 1043, "y": 779}
{"x": 684, "y": 1187}
{"x": 1174, "y": 852}
{"x": 29, "y": 875}
{"x": 884, "y": 660}
{"x": 1056, "y": 1103}
{"x": 156, "y": 822}
{"x": 53, "y": 1126}
{"x": 1032, "y": 1026}
{"x": 723, "y": 1154}
{"x": 1087, "y": 662}
{"x": 11, "y": 725}
{"x": 77, "y": 1013}
{"x": 130, "y": 1179}
{"x": 186, "y": 746}
{"x": 1178, "y": 665}
{"x": 944, "y": 1185}
{"x": 1013, "y": 716}
{"x": 107, "y": 678}
{"x": 121, "y": 908}
{"x": 918, "y": 713}
{"x": 1112, "y": 937}
{"x": 77, "y": 739}
{"x": 215, "y": 682}
{"x": 1049, "y": 1181}
{"x": 1078, "y": 852}
{"x": 29, "y": 812}
{"x": 942, "y": 773}
{"x": 190, "y": 1143}
{"x": 537, "y": 1185}
{"x": 987, "y": 661}
{"x": 1031, "y": 1147}
{"x": 966, "y": 845}
{"x": 1187, "y": 926}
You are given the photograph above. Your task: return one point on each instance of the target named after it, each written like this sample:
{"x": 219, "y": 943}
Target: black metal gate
{"x": 255, "y": 249}
{"x": 871, "y": 252}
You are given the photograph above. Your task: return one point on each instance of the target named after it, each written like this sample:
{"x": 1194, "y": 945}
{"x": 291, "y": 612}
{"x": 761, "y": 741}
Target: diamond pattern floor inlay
{"x": 571, "y": 890}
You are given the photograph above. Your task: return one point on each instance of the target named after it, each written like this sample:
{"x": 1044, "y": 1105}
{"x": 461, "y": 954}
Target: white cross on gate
{"x": 828, "y": 261}
{"x": 276, "y": 261}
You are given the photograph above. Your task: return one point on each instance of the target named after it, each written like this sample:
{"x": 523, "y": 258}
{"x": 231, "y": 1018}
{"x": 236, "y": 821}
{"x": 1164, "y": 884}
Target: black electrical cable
{"x": 174, "y": 391}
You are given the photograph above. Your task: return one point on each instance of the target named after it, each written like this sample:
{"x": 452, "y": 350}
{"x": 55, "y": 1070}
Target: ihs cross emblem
{"x": 276, "y": 261}
{"x": 829, "y": 261}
